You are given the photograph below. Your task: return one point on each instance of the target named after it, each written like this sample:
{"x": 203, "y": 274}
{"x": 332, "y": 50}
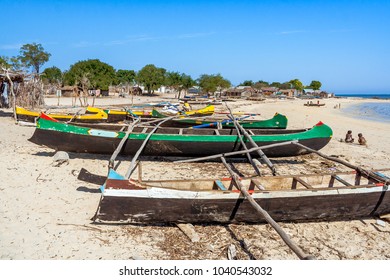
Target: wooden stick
{"x": 253, "y": 143}
{"x": 137, "y": 154}
{"x": 11, "y": 87}
{"x": 248, "y": 155}
{"x": 357, "y": 168}
{"x": 123, "y": 141}
{"x": 298, "y": 251}
{"x": 236, "y": 152}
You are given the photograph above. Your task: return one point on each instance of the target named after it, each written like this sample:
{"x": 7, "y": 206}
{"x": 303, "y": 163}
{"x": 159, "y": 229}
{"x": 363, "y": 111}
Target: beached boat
{"x": 301, "y": 198}
{"x": 121, "y": 115}
{"x": 131, "y": 113}
{"x": 168, "y": 141}
{"x": 311, "y": 104}
{"x": 277, "y": 121}
{"x": 30, "y": 116}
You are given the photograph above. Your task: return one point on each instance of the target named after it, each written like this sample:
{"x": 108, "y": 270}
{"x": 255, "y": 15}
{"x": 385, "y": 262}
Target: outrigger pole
{"x": 239, "y": 127}
{"x": 291, "y": 244}
{"x": 133, "y": 161}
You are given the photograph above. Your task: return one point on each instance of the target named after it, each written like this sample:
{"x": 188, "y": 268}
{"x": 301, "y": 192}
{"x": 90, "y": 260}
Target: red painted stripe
{"x": 46, "y": 117}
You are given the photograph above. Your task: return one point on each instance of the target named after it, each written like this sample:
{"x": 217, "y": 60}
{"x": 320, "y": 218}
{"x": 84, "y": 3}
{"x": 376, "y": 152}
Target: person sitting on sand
{"x": 348, "y": 137}
{"x": 362, "y": 140}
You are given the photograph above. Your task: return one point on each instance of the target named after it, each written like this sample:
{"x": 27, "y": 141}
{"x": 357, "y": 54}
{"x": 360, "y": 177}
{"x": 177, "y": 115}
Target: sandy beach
{"x": 45, "y": 211}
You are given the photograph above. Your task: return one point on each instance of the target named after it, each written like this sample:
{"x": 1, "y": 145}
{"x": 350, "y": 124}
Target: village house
{"x": 240, "y": 92}
{"x": 267, "y": 91}
{"x": 289, "y": 92}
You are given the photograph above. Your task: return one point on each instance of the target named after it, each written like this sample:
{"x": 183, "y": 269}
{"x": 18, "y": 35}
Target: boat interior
{"x": 332, "y": 180}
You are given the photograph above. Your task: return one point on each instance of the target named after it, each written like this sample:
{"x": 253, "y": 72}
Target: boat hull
{"x": 121, "y": 204}
{"x": 169, "y": 145}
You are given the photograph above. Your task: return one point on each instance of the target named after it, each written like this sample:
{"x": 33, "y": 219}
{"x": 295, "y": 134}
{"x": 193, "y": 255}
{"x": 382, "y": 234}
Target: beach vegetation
{"x": 316, "y": 85}
{"x": 33, "y": 55}
{"x": 52, "y": 75}
{"x": 260, "y": 84}
{"x": 179, "y": 82}
{"x": 186, "y": 83}
{"x": 125, "y": 77}
{"x": 297, "y": 84}
{"x": 213, "y": 83}
{"x": 100, "y": 75}
{"x": 151, "y": 77}
{"x": 4, "y": 62}
{"x": 247, "y": 83}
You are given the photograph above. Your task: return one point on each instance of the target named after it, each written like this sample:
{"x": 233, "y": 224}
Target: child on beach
{"x": 362, "y": 140}
{"x": 348, "y": 137}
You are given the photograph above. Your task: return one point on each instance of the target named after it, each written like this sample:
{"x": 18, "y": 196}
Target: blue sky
{"x": 343, "y": 44}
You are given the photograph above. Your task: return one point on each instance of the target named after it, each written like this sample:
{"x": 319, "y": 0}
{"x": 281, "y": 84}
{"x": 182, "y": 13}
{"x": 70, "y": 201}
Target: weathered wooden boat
{"x": 131, "y": 113}
{"x": 301, "y": 198}
{"x": 121, "y": 115}
{"x": 168, "y": 141}
{"x": 206, "y": 111}
{"x": 277, "y": 121}
{"x": 30, "y": 116}
{"x": 311, "y": 104}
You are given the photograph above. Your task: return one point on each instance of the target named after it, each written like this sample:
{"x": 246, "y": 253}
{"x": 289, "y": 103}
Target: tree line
{"x": 95, "y": 74}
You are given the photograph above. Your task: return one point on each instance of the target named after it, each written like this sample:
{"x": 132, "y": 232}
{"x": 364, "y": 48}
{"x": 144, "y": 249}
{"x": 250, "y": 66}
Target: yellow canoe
{"x": 120, "y": 115}
{"x": 27, "y": 115}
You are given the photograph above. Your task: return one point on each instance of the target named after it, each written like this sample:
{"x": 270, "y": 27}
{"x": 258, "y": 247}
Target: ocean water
{"x": 365, "y": 95}
{"x": 374, "y": 111}
{"x": 379, "y": 110}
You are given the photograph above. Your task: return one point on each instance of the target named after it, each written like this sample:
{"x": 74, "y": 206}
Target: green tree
{"x": 316, "y": 85}
{"x": 125, "y": 77}
{"x": 247, "y": 83}
{"x": 173, "y": 80}
{"x": 52, "y": 75}
{"x": 33, "y": 55}
{"x": 186, "y": 83}
{"x": 151, "y": 77}
{"x": 212, "y": 83}
{"x": 100, "y": 74}
{"x": 297, "y": 84}
{"x": 260, "y": 84}
{"x": 4, "y": 62}
{"x": 276, "y": 84}
{"x": 286, "y": 85}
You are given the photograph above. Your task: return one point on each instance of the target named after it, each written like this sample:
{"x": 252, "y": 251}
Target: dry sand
{"x": 45, "y": 210}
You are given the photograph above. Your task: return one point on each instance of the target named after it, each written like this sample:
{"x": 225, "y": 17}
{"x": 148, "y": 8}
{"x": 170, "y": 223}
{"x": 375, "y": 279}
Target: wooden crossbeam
{"x": 220, "y": 185}
{"x": 303, "y": 183}
{"x": 290, "y": 243}
{"x": 341, "y": 180}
